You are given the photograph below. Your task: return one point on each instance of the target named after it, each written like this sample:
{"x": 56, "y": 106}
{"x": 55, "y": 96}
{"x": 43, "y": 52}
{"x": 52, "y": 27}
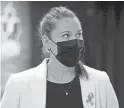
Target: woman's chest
{"x": 66, "y": 95}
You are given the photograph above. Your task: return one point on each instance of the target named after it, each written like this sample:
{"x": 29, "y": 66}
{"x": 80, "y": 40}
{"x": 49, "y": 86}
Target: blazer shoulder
{"x": 97, "y": 74}
{"x": 32, "y": 74}
{"x": 24, "y": 76}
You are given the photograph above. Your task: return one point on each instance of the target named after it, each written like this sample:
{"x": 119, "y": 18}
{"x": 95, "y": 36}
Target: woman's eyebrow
{"x": 79, "y": 31}
{"x": 64, "y": 32}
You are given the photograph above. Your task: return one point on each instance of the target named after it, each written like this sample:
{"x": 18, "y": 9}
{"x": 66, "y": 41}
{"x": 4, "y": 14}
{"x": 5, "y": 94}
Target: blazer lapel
{"x": 38, "y": 86}
{"x": 88, "y": 92}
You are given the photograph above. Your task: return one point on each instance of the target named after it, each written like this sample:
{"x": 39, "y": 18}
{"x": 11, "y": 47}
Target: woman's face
{"x": 66, "y": 29}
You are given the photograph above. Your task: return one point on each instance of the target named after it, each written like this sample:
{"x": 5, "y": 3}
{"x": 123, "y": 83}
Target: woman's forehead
{"x": 68, "y": 24}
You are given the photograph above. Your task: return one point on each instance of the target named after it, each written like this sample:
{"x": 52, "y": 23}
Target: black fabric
{"x": 56, "y": 97}
{"x": 69, "y": 52}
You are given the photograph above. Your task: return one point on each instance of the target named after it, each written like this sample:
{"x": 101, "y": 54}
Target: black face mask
{"x": 69, "y": 52}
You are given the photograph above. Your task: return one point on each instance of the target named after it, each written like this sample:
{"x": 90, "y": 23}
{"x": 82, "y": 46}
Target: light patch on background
{"x": 15, "y": 39}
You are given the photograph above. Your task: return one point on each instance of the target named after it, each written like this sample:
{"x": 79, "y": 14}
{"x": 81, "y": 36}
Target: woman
{"x": 62, "y": 80}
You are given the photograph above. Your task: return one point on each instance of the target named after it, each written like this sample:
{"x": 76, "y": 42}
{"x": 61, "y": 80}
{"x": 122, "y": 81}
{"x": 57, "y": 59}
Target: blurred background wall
{"x": 103, "y": 25}
{"x": 15, "y": 53}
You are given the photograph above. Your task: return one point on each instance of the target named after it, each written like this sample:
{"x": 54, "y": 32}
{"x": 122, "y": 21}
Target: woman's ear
{"x": 45, "y": 39}
{"x": 46, "y": 42}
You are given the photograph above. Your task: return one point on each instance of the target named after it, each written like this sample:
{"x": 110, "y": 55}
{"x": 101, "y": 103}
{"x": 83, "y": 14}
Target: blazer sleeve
{"x": 10, "y": 97}
{"x": 112, "y": 101}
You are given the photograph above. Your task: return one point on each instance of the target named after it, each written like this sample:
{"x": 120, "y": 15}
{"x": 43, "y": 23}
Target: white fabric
{"x": 28, "y": 89}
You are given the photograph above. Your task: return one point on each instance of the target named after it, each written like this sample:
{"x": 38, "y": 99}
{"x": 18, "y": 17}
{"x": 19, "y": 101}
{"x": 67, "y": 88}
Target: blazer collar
{"x": 39, "y": 88}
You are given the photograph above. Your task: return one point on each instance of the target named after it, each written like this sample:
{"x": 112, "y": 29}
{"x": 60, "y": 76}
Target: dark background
{"x": 103, "y": 25}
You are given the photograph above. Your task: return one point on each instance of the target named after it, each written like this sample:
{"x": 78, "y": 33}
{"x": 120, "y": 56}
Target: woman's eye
{"x": 79, "y": 35}
{"x": 66, "y": 35}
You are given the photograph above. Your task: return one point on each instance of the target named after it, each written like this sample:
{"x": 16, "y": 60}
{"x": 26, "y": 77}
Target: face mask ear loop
{"x": 54, "y": 43}
{"x": 52, "y": 52}
{"x": 50, "y": 48}
{"x": 52, "y": 40}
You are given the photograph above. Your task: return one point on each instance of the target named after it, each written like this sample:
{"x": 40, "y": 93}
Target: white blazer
{"x": 28, "y": 89}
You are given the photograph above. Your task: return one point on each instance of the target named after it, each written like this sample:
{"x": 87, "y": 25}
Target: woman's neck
{"x": 59, "y": 73}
